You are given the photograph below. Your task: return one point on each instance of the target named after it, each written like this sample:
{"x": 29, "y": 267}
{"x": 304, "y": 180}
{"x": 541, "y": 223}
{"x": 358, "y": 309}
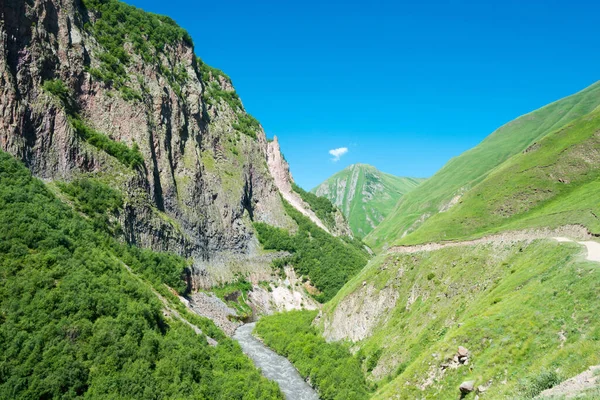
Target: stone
{"x": 467, "y": 387}
{"x": 463, "y": 351}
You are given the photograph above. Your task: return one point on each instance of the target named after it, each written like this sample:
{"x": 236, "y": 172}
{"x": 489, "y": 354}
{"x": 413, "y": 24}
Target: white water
{"x": 274, "y": 366}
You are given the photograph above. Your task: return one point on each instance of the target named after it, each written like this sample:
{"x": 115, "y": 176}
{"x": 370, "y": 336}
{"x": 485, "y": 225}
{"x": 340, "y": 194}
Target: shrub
{"x": 332, "y": 369}
{"x": 321, "y": 206}
{"x": 534, "y": 385}
{"x": 129, "y": 157}
{"x": 328, "y": 261}
{"x": 75, "y": 323}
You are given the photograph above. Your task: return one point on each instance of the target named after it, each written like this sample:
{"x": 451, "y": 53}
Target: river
{"x": 274, "y": 366}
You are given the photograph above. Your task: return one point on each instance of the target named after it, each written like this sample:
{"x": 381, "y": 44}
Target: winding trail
{"x": 593, "y": 248}
{"x": 560, "y": 235}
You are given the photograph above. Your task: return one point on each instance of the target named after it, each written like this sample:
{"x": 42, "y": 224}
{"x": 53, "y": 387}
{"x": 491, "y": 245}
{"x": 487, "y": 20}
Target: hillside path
{"x": 593, "y": 248}
{"x": 563, "y": 234}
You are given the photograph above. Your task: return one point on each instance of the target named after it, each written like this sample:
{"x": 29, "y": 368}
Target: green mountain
{"x": 365, "y": 195}
{"x": 480, "y": 294}
{"x": 553, "y": 183}
{"x": 440, "y": 192}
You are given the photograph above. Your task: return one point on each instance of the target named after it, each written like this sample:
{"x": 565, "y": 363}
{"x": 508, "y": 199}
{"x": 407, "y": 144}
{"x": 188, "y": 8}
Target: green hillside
{"x": 465, "y": 171}
{"x": 552, "y": 183}
{"x": 75, "y": 322}
{"x": 365, "y": 195}
{"x": 527, "y": 313}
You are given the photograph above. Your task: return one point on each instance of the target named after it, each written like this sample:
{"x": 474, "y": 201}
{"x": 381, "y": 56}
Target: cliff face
{"x": 204, "y": 176}
{"x": 280, "y": 170}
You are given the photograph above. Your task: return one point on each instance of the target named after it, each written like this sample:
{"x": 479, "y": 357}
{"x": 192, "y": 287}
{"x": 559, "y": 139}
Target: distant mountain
{"x": 365, "y": 195}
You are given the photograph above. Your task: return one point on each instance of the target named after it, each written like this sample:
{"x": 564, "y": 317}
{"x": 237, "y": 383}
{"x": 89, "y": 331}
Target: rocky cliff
{"x": 84, "y": 89}
{"x": 280, "y": 170}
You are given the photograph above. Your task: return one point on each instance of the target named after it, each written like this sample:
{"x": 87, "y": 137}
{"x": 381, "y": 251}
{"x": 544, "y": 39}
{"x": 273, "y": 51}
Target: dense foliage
{"x": 328, "y": 261}
{"x": 74, "y": 322}
{"x": 117, "y": 23}
{"x": 331, "y": 368}
{"x": 322, "y": 207}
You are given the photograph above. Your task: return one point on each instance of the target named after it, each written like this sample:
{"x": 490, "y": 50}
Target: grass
{"x": 235, "y": 295}
{"x": 505, "y": 303}
{"x": 365, "y": 195}
{"x": 553, "y": 184}
{"x": 470, "y": 168}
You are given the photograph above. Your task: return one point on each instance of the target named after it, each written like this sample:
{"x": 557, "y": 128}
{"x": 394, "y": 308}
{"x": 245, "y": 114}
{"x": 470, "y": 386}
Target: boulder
{"x": 467, "y": 387}
{"x": 463, "y": 351}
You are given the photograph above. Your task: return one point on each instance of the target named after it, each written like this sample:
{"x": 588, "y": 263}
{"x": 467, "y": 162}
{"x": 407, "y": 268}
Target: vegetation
{"x": 116, "y": 24}
{"x": 235, "y": 295}
{"x": 472, "y": 167}
{"x": 365, "y": 195}
{"x": 529, "y": 310}
{"x": 553, "y": 183}
{"x": 534, "y": 385}
{"x": 330, "y": 367}
{"x": 321, "y": 206}
{"x": 74, "y": 322}
{"x": 130, "y": 157}
{"x": 58, "y": 89}
{"x": 214, "y": 93}
{"x": 328, "y": 261}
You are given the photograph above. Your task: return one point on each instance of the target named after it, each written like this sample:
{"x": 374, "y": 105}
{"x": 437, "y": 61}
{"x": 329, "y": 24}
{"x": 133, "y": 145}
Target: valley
{"x": 155, "y": 244}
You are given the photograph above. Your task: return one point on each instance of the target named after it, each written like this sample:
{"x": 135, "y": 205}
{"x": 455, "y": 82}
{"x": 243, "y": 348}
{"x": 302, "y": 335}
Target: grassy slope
{"x": 365, "y": 195}
{"x": 553, "y": 183}
{"x": 508, "y": 314}
{"x": 470, "y": 168}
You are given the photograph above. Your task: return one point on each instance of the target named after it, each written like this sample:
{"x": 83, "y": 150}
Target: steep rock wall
{"x": 202, "y": 181}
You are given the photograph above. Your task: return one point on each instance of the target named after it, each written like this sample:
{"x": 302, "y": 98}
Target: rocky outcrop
{"x": 283, "y": 294}
{"x": 280, "y": 170}
{"x": 203, "y": 181}
{"x": 358, "y": 314}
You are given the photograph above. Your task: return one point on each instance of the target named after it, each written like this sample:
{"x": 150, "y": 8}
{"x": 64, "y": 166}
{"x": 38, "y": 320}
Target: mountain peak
{"x": 364, "y": 194}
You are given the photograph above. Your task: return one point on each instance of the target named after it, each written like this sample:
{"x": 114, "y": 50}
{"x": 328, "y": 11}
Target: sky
{"x": 401, "y": 85}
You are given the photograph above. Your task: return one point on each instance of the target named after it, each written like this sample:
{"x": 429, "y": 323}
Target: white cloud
{"x": 337, "y": 153}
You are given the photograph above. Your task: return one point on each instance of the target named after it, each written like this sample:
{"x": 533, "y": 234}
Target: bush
{"x": 74, "y": 323}
{"x": 328, "y": 261}
{"x": 534, "y": 385}
{"x": 57, "y": 88}
{"x": 321, "y": 206}
{"x": 117, "y": 23}
{"x": 129, "y": 157}
{"x": 331, "y": 368}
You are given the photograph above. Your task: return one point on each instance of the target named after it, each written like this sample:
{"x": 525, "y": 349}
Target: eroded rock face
{"x": 358, "y": 314}
{"x": 202, "y": 183}
{"x": 280, "y": 170}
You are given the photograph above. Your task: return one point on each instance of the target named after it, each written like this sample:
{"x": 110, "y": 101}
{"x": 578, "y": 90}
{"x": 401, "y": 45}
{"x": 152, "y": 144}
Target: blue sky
{"x": 403, "y": 85}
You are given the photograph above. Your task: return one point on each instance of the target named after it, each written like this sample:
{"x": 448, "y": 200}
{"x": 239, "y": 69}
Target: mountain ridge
{"x": 364, "y": 194}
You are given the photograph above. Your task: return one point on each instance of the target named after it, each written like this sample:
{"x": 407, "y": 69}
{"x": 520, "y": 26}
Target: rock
{"x": 463, "y": 351}
{"x": 467, "y": 387}
{"x": 481, "y": 389}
